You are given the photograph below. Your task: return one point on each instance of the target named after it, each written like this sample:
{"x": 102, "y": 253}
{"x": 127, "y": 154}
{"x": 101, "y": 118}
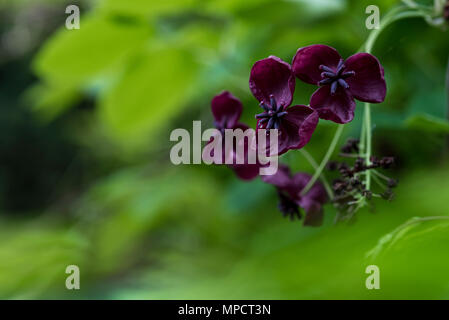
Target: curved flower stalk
{"x": 436, "y": 15}
{"x": 411, "y": 10}
{"x": 396, "y": 14}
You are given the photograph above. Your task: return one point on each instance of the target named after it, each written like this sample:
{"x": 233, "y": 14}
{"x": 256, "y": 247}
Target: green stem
{"x": 362, "y": 139}
{"x": 365, "y": 136}
{"x": 380, "y": 175}
{"x": 393, "y": 16}
{"x": 368, "y": 144}
{"x": 323, "y": 179}
{"x": 323, "y": 163}
{"x": 390, "y": 238}
{"x": 380, "y": 183}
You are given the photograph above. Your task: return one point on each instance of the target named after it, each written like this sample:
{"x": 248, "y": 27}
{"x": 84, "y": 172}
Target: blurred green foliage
{"x": 139, "y": 227}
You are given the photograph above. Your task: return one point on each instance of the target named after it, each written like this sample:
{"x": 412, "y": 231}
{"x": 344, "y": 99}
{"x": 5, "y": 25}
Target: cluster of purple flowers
{"x": 272, "y": 82}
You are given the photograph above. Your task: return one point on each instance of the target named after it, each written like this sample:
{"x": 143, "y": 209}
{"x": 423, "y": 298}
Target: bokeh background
{"x": 86, "y": 179}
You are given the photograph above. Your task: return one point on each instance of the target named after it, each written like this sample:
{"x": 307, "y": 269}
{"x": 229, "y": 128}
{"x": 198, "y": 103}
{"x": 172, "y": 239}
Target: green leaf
{"x": 49, "y": 101}
{"x": 99, "y": 47}
{"x": 428, "y": 123}
{"x": 149, "y": 94}
{"x": 34, "y": 258}
{"x": 145, "y": 7}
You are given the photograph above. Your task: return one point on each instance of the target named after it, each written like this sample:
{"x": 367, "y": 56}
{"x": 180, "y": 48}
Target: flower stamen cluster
{"x": 272, "y": 115}
{"x": 335, "y": 77}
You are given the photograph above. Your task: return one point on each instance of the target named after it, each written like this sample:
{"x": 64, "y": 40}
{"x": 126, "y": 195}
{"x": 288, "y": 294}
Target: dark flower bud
{"x": 359, "y": 165}
{"x": 355, "y": 182}
{"x": 332, "y": 166}
{"x": 368, "y": 194}
{"x": 388, "y": 195}
{"x": 346, "y": 172}
{"x": 355, "y": 144}
{"x": 339, "y": 185}
{"x": 351, "y": 145}
{"x": 392, "y": 183}
{"x": 374, "y": 162}
{"x": 343, "y": 166}
{"x": 387, "y": 162}
{"x": 346, "y": 149}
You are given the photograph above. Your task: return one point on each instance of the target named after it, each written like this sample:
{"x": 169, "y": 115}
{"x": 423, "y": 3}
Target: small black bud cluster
{"x": 360, "y": 165}
{"x": 351, "y": 145}
{"x": 350, "y": 187}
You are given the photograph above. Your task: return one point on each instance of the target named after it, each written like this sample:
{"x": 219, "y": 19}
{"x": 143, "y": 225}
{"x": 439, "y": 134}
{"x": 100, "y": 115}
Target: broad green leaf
{"x": 415, "y": 250}
{"x": 99, "y": 47}
{"x": 49, "y": 101}
{"x": 428, "y": 123}
{"x": 429, "y": 101}
{"x": 389, "y": 240}
{"x": 34, "y": 258}
{"x": 152, "y": 92}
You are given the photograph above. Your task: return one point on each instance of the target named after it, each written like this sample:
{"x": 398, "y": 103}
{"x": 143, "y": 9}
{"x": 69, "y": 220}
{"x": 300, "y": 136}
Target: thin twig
{"x": 315, "y": 166}
{"x": 326, "y": 158}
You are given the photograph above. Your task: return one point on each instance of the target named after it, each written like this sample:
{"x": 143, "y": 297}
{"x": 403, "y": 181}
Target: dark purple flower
{"x": 289, "y": 189}
{"x": 272, "y": 82}
{"x": 227, "y": 110}
{"x": 361, "y": 77}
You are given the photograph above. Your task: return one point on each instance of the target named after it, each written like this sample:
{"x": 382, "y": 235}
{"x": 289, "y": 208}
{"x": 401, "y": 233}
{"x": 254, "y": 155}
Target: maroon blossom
{"x": 272, "y": 82}
{"x": 227, "y": 110}
{"x": 289, "y": 190}
{"x": 360, "y": 77}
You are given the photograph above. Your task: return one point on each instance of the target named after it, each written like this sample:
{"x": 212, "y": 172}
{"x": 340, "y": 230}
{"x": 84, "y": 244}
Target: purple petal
{"x": 300, "y": 180}
{"x": 281, "y": 179}
{"x": 312, "y": 201}
{"x": 297, "y": 127}
{"x": 307, "y": 61}
{"x": 226, "y": 109}
{"x": 272, "y": 76}
{"x": 314, "y": 213}
{"x": 231, "y": 155}
{"x": 245, "y": 143}
{"x": 338, "y": 107}
{"x": 317, "y": 193}
{"x": 368, "y": 83}
{"x": 212, "y": 153}
{"x": 261, "y": 124}
{"x": 246, "y": 171}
